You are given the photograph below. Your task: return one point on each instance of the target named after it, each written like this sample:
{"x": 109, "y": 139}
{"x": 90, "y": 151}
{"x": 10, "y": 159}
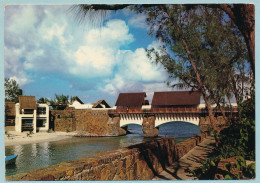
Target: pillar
{"x": 148, "y": 126}
{"x": 114, "y": 123}
{"x": 34, "y": 121}
{"x": 18, "y": 118}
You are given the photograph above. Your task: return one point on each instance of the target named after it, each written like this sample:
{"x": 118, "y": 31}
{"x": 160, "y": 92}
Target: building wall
{"x": 92, "y": 122}
{"x": 78, "y": 105}
{"x": 44, "y": 116}
{"x": 137, "y": 162}
{"x": 34, "y": 117}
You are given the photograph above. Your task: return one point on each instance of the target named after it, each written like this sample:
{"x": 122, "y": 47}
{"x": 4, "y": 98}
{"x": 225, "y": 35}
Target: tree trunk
{"x": 200, "y": 85}
{"x": 243, "y": 15}
{"x": 221, "y": 109}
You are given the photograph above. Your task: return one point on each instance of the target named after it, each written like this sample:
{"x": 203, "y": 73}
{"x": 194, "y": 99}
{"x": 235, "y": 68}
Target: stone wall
{"x": 137, "y": 162}
{"x": 64, "y": 124}
{"x": 204, "y": 123}
{"x": 86, "y": 122}
{"x": 148, "y": 126}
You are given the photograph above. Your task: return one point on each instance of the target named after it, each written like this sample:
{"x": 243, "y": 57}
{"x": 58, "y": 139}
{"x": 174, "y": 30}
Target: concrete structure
{"x": 132, "y": 108}
{"x": 165, "y": 107}
{"x": 31, "y": 116}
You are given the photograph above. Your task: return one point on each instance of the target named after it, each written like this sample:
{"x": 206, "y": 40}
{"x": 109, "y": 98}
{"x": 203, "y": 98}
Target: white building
{"x": 78, "y": 104}
{"x": 31, "y": 116}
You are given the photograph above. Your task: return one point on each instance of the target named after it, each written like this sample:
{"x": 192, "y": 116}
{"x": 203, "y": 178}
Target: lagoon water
{"x": 44, "y": 154}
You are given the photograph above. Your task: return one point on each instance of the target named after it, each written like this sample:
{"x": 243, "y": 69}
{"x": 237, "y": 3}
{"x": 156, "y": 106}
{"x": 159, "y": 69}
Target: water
{"x": 39, "y": 155}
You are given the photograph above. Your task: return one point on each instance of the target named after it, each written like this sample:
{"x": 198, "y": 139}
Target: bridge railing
{"x": 167, "y": 110}
{"x": 155, "y": 110}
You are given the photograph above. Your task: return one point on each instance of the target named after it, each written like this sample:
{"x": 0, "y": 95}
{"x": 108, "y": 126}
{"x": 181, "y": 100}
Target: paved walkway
{"x": 190, "y": 160}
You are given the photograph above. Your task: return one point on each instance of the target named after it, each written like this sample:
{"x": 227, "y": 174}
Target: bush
{"x": 208, "y": 168}
{"x": 238, "y": 139}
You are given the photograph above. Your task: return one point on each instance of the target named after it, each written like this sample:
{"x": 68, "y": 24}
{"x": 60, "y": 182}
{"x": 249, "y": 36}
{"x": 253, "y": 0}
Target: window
{"x": 41, "y": 122}
{"x": 27, "y": 122}
{"x": 28, "y": 111}
{"x": 41, "y": 110}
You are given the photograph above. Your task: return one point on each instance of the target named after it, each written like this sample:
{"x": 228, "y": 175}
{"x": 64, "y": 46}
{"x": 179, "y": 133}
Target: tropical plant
{"x": 60, "y": 102}
{"x": 42, "y": 100}
{"x": 12, "y": 90}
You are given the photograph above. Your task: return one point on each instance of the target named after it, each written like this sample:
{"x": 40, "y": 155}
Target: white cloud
{"x": 97, "y": 57}
{"x": 51, "y": 42}
{"x": 139, "y": 67}
{"x": 23, "y": 20}
{"x": 136, "y": 73}
{"x": 138, "y": 21}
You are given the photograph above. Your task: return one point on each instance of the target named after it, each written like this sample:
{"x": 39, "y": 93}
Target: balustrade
{"x": 166, "y": 110}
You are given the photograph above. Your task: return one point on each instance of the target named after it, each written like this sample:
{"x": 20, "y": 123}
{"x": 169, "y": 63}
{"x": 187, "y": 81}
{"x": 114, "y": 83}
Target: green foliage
{"x": 238, "y": 140}
{"x": 12, "y": 90}
{"x": 60, "y": 102}
{"x": 249, "y": 171}
{"x": 239, "y": 170}
{"x": 42, "y": 100}
{"x": 67, "y": 130}
{"x": 208, "y": 168}
{"x": 247, "y": 104}
{"x": 215, "y": 45}
{"x": 49, "y": 131}
{"x": 228, "y": 177}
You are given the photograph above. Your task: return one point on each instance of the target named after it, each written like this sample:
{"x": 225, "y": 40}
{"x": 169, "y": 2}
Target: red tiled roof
{"x": 176, "y": 98}
{"x": 27, "y": 102}
{"x": 130, "y": 99}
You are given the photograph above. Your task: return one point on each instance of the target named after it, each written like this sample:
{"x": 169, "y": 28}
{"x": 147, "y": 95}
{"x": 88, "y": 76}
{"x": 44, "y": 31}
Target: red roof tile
{"x": 176, "y": 98}
{"x": 27, "y": 102}
{"x": 131, "y": 99}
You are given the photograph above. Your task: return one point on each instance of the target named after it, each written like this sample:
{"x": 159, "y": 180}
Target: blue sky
{"x": 47, "y": 51}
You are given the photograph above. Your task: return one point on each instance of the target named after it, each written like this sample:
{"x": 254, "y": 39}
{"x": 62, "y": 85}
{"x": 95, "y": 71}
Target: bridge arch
{"x": 126, "y": 119}
{"x": 163, "y": 119}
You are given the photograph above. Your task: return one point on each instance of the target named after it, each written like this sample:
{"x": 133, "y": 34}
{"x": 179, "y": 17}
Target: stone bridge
{"x": 151, "y": 119}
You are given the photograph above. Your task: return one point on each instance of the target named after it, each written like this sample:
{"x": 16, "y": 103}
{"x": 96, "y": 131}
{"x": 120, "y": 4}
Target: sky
{"x": 48, "y": 51}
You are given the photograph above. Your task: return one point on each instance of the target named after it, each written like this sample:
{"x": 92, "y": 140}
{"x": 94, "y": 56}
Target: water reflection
{"x": 39, "y": 155}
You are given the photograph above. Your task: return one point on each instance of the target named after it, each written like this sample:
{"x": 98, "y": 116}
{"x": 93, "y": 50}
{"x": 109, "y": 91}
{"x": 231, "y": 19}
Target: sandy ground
{"x": 16, "y": 138}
